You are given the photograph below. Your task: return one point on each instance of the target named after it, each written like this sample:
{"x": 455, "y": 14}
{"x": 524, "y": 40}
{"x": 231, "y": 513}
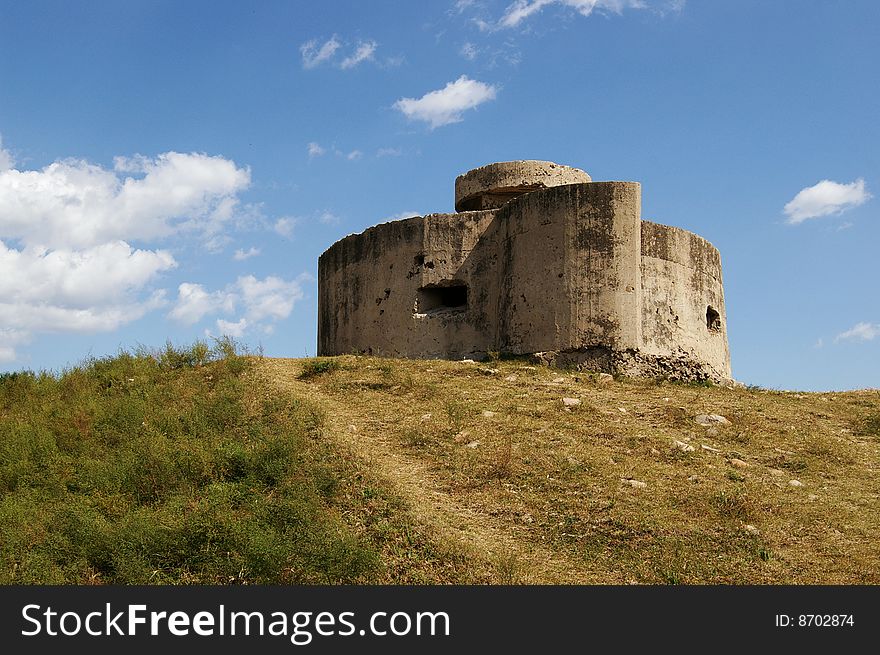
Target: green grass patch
{"x": 313, "y": 368}
{"x": 166, "y": 467}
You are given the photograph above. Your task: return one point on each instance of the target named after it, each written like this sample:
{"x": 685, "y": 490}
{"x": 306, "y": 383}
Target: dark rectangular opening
{"x": 451, "y": 295}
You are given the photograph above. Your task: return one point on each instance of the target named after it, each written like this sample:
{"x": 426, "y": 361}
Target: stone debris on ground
{"x": 635, "y": 484}
{"x": 711, "y": 419}
{"x": 571, "y": 402}
{"x": 681, "y": 445}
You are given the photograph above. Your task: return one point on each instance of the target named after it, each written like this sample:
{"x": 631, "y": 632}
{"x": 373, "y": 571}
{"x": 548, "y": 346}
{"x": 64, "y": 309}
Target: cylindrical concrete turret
{"x": 490, "y": 186}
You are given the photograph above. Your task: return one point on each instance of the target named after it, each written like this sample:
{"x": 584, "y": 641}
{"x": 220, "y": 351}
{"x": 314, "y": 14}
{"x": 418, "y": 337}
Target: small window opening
{"x": 445, "y": 296}
{"x": 713, "y": 319}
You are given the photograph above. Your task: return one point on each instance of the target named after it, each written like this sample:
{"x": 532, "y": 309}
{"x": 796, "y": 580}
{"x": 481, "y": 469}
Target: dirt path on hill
{"x": 449, "y": 517}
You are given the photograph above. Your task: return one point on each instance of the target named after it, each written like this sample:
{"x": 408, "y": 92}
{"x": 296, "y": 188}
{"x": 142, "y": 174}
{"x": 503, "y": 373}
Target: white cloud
{"x": 270, "y": 298}
{"x": 446, "y": 105}
{"x": 824, "y": 198}
{"x": 400, "y": 215}
{"x": 520, "y": 10}
{"x": 230, "y": 329}
{"x": 389, "y": 152}
{"x": 75, "y": 204}
{"x": 27, "y": 318}
{"x": 284, "y": 226}
{"x": 353, "y": 155}
{"x": 106, "y": 274}
{"x": 194, "y": 303}
{"x": 259, "y": 302}
{"x": 9, "y": 339}
{"x": 363, "y": 52}
{"x": 860, "y": 332}
{"x": 315, "y": 149}
{"x": 240, "y": 255}
{"x": 7, "y": 161}
{"x": 67, "y": 263}
{"x": 468, "y": 51}
{"x": 314, "y": 55}
{"x": 328, "y": 218}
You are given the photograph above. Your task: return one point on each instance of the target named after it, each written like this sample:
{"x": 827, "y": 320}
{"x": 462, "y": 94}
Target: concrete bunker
{"x": 447, "y": 295}
{"x": 538, "y": 258}
{"x": 713, "y": 319}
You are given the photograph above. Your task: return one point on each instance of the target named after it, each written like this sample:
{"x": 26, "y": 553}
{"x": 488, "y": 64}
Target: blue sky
{"x": 170, "y": 170}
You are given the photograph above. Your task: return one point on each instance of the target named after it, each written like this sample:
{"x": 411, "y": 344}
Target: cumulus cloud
{"x": 7, "y": 161}
{"x": 315, "y": 149}
{"x": 284, "y": 226}
{"x": 240, "y": 255}
{"x": 106, "y": 274}
{"x": 194, "y": 303}
{"x": 860, "y": 332}
{"x": 75, "y": 204}
{"x": 824, "y": 198}
{"x": 314, "y": 55}
{"x": 353, "y": 155}
{"x": 363, "y": 52}
{"x": 9, "y": 339}
{"x": 67, "y": 263}
{"x": 520, "y": 10}
{"x": 259, "y": 303}
{"x": 446, "y": 105}
{"x": 231, "y": 329}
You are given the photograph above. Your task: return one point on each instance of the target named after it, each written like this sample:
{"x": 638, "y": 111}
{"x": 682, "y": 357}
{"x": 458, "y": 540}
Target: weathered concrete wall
{"x": 368, "y": 289}
{"x": 490, "y": 186}
{"x": 681, "y": 289}
{"x": 569, "y": 268}
{"x": 564, "y": 268}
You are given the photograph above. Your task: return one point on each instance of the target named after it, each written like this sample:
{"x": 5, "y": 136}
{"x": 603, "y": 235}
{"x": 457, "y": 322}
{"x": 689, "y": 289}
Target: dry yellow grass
{"x": 501, "y": 478}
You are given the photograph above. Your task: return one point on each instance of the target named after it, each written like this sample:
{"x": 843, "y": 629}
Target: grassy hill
{"x": 202, "y": 465}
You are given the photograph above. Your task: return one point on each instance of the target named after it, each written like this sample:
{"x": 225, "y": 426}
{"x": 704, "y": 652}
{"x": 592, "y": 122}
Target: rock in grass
{"x": 635, "y": 484}
{"x": 711, "y": 419}
{"x": 795, "y": 483}
{"x": 740, "y": 464}
{"x": 571, "y": 402}
{"x": 604, "y": 378}
{"x": 681, "y": 445}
